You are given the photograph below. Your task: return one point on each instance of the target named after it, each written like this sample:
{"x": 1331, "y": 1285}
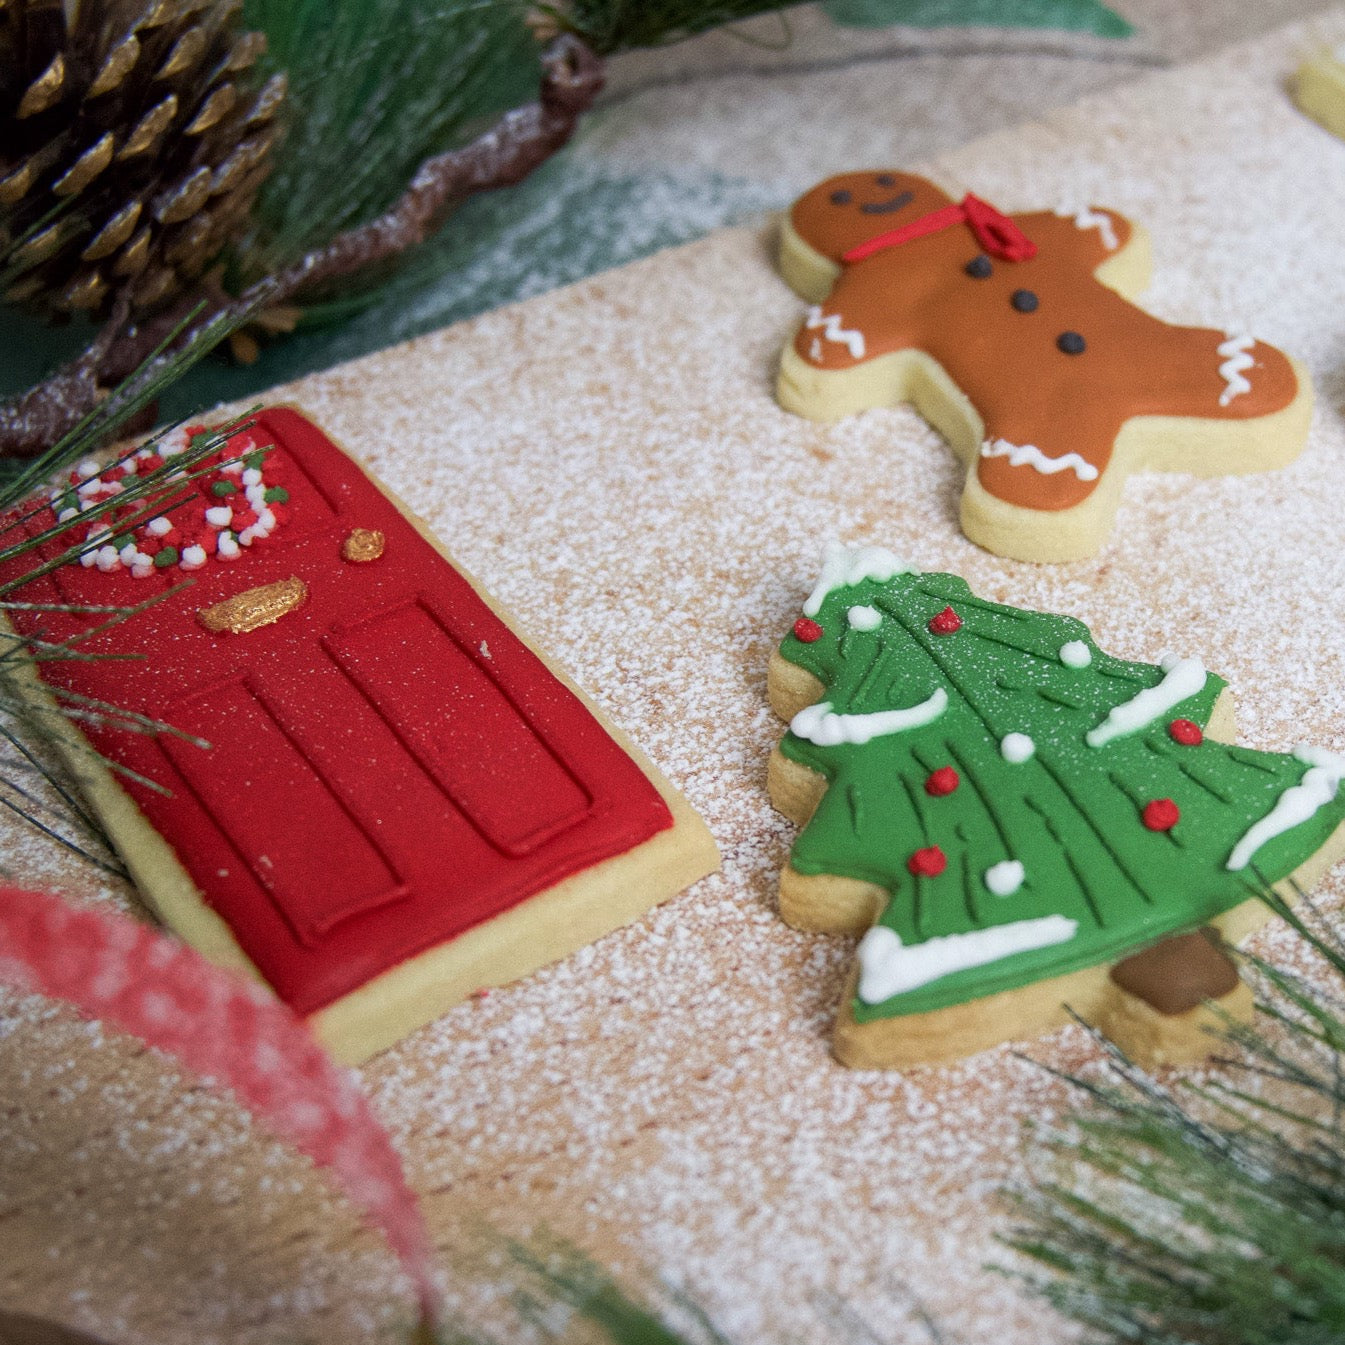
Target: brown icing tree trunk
{"x": 572, "y": 76}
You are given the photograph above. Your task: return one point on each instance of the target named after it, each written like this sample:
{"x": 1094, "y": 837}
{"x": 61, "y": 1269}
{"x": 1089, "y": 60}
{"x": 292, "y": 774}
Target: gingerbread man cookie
{"x": 1016, "y": 337}
{"x": 1019, "y": 823}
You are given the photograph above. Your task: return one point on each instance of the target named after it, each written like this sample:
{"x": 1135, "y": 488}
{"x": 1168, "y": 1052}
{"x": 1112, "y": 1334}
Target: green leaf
{"x": 1077, "y": 15}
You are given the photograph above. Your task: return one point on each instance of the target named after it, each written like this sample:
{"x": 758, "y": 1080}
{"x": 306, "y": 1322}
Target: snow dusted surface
{"x": 609, "y": 461}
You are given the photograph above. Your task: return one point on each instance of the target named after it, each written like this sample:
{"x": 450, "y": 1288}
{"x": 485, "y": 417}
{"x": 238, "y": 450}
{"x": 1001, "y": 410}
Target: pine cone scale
{"x": 113, "y": 233}
{"x": 45, "y": 91}
{"x": 87, "y": 167}
{"x": 143, "y": 123}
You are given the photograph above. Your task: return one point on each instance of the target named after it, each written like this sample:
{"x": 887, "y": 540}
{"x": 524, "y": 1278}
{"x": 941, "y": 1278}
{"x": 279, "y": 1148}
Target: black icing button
{"x": 1024, "y": 301}
{"x": 841, "y": 197}
{"x": 1071, "y": 343}
{"x": 885, "y": 180}
{"x": 979, "y": 267}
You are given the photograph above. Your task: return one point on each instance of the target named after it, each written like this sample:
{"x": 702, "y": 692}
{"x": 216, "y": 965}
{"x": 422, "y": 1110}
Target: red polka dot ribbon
{"x": 229, "y": 1030}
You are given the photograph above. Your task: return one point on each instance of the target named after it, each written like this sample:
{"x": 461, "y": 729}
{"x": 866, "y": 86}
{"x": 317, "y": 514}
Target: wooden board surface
{"x": 609, "y": 460}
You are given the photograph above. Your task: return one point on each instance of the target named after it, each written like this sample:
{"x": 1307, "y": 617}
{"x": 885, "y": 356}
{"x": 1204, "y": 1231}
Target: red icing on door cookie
{"x": 390, "y": 765}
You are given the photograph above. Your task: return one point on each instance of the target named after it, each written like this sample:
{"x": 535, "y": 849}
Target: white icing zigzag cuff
{"x": 833, "y": 331}
{"x": 1236, "y": 361}
{"x": 1088, "y": 218}
{"x": 1029, "y": 455}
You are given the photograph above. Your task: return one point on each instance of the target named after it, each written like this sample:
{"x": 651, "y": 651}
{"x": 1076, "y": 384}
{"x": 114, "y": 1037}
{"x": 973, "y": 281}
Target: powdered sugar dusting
{"x": 609, "y": 462}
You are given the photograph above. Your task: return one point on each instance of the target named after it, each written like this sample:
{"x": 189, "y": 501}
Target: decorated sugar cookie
{"x": 1016, "y": 337}
{"x": 400, "y": 801}
{"x": 1016, "y": 821}
{"x": 1319, "y": 88}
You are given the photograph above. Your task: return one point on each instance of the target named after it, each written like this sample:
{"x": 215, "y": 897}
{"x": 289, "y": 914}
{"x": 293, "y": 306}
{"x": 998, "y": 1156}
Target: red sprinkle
{"x": 928, "y": 863}
{"x": 941, "y": 782}
{"x": 1186, "y": 732}
{"x": 807, "y": 630}
{"x": 1161, "y": 815}
{"x": 946, "y": 623}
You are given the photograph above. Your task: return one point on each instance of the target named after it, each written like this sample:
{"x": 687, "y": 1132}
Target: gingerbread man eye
{"x": 1071, "y": 343}
{"x": 979, "y": 267}
{"x": 841, "y": 197}
{"x": 885, "y": 180}
{"x": 1024, "y": 301}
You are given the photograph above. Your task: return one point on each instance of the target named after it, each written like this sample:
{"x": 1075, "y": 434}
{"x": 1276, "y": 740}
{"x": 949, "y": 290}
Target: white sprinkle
{"x": 193, "y": 557}
{"x": 1076, "y": 654}
{"x": 159, "y": 527}
{"x": 219, "y": 516}
{"x": 1017, "y": 748}
{"x": 864, "y": 618}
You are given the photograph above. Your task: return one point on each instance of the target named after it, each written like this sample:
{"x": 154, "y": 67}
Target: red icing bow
{"x": 997, "y": 234}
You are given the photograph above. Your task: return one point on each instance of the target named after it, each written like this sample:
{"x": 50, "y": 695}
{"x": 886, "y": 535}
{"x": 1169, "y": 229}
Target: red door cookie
{"x": 1016, "y": 338}
{"x": 400, "y": 802}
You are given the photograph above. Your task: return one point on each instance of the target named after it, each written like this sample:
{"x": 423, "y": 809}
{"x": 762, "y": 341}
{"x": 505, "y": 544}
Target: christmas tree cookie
{"x": 379, "y": 797}
{"x": 1016, "y": 821}
{"x": 1016, "y": 337}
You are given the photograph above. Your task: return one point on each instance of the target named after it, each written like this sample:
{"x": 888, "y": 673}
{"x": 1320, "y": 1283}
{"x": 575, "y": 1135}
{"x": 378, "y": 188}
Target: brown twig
{"x": 572, "y": 76}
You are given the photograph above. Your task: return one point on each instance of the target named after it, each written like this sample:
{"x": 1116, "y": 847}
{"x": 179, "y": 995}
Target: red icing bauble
{"x": 807, "y": 630}
{"x": 1161, "y": 814}
{"x": 941, "y": 782}
{"x": 927, "y": 863}
{"x": 1186, "y": 732}
{"x": 946, "y": 623}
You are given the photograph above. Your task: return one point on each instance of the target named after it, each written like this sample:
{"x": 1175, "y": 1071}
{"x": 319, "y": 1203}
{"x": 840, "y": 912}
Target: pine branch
{"x": 518, "y": 143}
{"x": 1215, "y": 1216}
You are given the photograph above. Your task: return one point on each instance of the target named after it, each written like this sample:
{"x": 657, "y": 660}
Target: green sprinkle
{"x": 121, "y": 540}
{"x": 223, "y": 488}
{"x": 255, "y": 460}
{"x": 165, "y": 558}
{"x": 277, "y": 495}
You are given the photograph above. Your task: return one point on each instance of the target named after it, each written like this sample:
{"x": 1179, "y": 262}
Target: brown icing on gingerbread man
{"x": 1015, "y": 336}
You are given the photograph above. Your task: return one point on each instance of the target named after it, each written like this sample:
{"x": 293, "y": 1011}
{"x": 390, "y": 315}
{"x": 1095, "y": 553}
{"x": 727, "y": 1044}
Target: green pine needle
{"x": 375, "y": 88}
{"x": 1213, "y": 1214}
{"x": 36, "y": 783}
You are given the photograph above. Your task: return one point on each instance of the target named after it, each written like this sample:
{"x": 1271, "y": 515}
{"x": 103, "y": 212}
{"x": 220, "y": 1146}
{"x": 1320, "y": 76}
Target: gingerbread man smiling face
{"x": 1016, "y": 337}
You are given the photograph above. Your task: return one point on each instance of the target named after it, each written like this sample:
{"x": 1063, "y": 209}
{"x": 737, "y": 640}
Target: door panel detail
{"x": 462, "y": 727}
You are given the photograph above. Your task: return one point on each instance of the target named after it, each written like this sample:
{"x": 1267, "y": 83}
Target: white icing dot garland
{"x": 240, "y": 501}
{"x": 1017, "y": 748}
{"x": 1075, "y": 654}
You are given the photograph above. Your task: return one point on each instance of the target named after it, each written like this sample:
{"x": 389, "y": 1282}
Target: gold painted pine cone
{"x": 132, "y": 145}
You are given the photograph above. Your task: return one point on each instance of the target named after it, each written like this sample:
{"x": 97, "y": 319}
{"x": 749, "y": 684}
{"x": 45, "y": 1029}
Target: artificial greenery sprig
{"x": 1210, "y": 1212}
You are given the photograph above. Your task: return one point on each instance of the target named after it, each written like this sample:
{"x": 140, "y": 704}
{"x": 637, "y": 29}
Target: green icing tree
{"x": 1090, "y": 816}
